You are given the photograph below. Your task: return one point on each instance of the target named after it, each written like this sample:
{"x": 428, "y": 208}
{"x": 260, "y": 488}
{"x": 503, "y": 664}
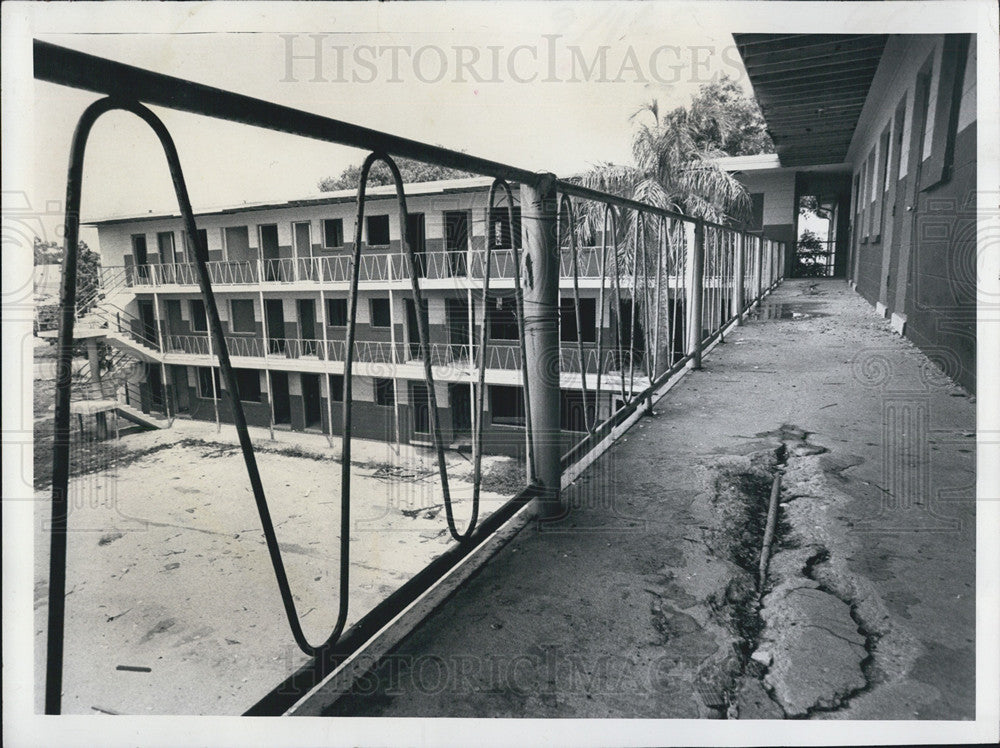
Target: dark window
{"x": 336, "y": 382}
{"x": 502, "y": 316}
{"x": 247, "y": 384}
{"x": 243, "y": 319}
{"x": 385, "y": 392}
{"x": 378, "y": 230}
{"x": 500, "y": 229}
{"x": 199, "y": 322}
{"x": 567, "y": 320}
{"x": 205, "y": 382}
{"x": 381, "y": 316}
{"x": 507, "y": 405}
{"x": 333, "y": 232}
{"x": 336, "y": 312}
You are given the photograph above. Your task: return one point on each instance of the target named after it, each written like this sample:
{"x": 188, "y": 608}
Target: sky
{"x": 551, "y": 87}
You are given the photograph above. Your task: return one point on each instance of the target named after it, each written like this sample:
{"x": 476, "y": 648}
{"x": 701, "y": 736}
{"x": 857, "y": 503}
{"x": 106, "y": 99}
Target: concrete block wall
{"x": 913, "y": 221}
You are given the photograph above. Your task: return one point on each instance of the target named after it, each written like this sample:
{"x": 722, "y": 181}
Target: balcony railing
{"x": 375, "y": 267}
{"x": 748, "y": 267}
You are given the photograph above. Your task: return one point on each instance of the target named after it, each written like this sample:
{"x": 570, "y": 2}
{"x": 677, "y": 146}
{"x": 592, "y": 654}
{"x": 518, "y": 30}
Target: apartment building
{"x": 281, "y": 274}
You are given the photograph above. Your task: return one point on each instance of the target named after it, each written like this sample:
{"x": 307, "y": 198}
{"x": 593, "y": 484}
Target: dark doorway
{"x": 412, "y": 330}
{"x": 420, "y": 402}
{"x": 460, "y": 397}
{"x": 147, "y": 320}
{"x": 307, "y": 326}
{"x": 417, "y": 235}
{"x": 179, "y": 379}
{"x": 457, "y": 311}
{"x": 154, "y": 379}
{"x": 275, "y": 313}
{"x": 140, "y": 255}
{"x": 175, "y": 320}
{"x": 630, "y": 335}
{"x": 269, "y": 252}
{"x": 279, "y": 397}
{"x": 311, "y": 401}
{"x": 456, "y": 225}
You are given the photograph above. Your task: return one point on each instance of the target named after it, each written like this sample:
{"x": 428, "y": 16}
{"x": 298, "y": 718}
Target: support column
{"x": 540, "y": 281}
{"x": 738, "y": 271}
{"x": 695, "y": 287}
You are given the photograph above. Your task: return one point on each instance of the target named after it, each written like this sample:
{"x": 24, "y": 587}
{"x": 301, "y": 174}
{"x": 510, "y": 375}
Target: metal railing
{"x": 375, "y": 267}
{"x": 690, "y": 279}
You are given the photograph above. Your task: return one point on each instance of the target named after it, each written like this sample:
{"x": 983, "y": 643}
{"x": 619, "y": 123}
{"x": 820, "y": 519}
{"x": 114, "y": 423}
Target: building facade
{"x": 281, "y": 276}
{"x": 882, "y": 131}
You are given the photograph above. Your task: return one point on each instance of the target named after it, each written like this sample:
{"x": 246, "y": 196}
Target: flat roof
{"x": 443, "y": 186}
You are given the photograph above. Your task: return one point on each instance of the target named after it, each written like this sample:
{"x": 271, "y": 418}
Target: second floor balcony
{"x": 461, "y": 358}
{"x": 382, "y": 267}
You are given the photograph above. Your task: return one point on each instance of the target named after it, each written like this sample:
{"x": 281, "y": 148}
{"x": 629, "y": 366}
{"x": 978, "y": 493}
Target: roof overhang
{"x": 811, "y": 89}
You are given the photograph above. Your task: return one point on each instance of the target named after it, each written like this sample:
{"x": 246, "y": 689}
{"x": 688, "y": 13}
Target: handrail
{"x": 128, "y": 85}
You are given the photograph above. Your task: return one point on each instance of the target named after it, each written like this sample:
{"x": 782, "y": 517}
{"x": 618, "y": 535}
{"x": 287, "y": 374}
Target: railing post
{"x": 540, "y": 281}
{"x": 759, "y": 270}
{"x": 695, "y": 284}
{"x": 738, "y": 296}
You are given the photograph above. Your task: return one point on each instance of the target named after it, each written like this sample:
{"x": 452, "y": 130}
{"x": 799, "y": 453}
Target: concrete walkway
{"x": 644, "y": 601}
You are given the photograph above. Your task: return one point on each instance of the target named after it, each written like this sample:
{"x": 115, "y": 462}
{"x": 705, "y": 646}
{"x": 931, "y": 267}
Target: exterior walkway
{"x": 642, "y": 602}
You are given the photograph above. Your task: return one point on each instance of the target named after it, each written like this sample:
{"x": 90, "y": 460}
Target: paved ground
{"x": 644, "y": 601}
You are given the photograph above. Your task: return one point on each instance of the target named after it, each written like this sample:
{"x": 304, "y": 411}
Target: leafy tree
{"x": 810, "y": 256}
{"x": 724, "y": 117}
{"x": 409, "y": 170}
{"x": 88, "y": 270}
{"x": 675, "y": 166}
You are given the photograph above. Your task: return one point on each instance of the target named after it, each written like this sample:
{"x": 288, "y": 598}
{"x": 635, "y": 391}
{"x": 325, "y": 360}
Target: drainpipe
{"x": 540, "y": 282}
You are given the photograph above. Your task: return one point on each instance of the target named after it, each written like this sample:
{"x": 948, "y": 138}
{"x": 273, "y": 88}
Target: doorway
{"x": 140, "y": 255}
{"x": 275, "y": 314}
{"x": 460, "y": 398}
{"x": 307, "y": 326}
{"x": 456, "y": 224}
{"x": 457, "y": 315}
{"x": 280, "y": 399}
{"x": 269, "y": 253}
{"x": 311, "y": 401}
{"x": 420, "y": 402}
{"x": 412, "y": 329}
{"x": 182, "y": 397}
{"x": 147, "y": 321}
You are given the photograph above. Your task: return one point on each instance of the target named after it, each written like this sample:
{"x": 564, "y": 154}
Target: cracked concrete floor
{"x": 625, "y": 608}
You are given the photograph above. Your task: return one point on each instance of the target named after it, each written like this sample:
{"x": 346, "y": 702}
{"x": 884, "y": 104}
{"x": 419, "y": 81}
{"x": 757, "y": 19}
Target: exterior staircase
{"x": 101, "y": 314}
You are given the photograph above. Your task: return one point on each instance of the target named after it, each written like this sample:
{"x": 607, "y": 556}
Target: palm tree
{"x": 675, "y": 170}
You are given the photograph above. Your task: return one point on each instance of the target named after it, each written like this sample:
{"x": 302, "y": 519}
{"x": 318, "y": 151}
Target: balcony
{"x": 379, "y": 268}
{"x": 458, "y": 359}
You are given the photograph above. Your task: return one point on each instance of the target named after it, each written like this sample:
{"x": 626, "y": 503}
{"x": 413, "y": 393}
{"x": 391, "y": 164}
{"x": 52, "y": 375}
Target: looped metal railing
{"x": 695, "y": 261}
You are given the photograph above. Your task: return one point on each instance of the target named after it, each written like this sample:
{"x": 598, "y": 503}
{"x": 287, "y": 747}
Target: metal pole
{"x": 695, "y": 272}
{"x": 738, "y": 290}
{"x": 540, "y": 280}
{"x": 758, "y": 268}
